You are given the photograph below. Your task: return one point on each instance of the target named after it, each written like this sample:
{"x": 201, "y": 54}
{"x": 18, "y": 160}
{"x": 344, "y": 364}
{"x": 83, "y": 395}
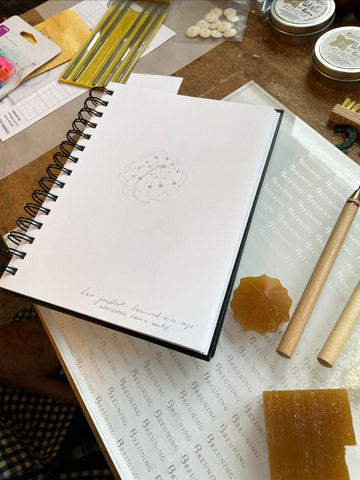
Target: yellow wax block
{"x": 307, "y": 431}
{"x": 68, "y": 31}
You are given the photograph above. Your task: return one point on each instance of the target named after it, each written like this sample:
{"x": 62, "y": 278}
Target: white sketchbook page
{"x": 159, "y": 82}
{"x": 161, "y": 413}
{"x": 145, "y": 233}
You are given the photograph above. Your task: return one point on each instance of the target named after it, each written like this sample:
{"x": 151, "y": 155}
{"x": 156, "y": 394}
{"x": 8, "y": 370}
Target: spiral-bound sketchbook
{"x": 143, "y": 228}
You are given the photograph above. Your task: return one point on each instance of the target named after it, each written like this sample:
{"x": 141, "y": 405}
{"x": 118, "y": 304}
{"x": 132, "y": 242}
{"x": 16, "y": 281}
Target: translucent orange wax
{"x": 260, "y": 304}
{"x": 306, "y": 434}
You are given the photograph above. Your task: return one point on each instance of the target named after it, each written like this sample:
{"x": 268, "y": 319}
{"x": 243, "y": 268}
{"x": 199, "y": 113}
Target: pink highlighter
{"x": 5, "y": 68}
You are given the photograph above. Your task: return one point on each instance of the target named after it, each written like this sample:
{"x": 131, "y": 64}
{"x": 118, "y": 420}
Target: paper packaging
{"x": 25, "y": 48}
{"x": 68, "y": 31}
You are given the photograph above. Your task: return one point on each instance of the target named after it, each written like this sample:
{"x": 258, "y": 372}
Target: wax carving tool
{"x": 121, "y": 44}
{"x": 103, "y": 39}
{"x": 116, "y": 44}
{"x": 136, "y": 46}
{"x": 95, "y": 40}
{"x": 149, "y": 34}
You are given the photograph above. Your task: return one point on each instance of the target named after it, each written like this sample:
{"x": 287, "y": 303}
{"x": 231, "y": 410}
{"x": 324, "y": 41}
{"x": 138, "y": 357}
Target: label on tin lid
{"x": 303, "y": 12}
{"x": 341, "y": 48}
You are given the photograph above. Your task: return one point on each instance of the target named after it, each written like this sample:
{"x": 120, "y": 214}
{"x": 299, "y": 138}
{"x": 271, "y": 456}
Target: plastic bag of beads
{"x": 216, "y": 20}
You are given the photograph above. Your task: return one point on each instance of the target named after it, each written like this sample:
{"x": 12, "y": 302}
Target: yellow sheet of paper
{"x": 68, "y": 31}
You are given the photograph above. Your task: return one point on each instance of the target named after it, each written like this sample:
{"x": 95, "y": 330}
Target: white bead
{"x": 192, "y": 31}
{"x": 216, "y": 34}
{"x": 223, "y": 26}
{"x": 213, "y": 26}
{"x": 202, "y": 23}
{"x": 211, "y": 17}
{"x": 205, "y": 32}
{"x": 229, "y": 11}
{"x": 229, "y": 33}
{"x": 217, "y": 11}
{"x": 233, "y": 18}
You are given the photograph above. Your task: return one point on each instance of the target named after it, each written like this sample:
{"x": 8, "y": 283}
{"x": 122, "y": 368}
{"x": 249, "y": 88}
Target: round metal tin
{"x": 299, "y": 22}
{"x": 336, "y": 58}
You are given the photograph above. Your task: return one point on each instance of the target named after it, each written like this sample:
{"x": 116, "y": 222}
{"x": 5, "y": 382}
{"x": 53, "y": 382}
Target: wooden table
{"x": 283, "y": 70}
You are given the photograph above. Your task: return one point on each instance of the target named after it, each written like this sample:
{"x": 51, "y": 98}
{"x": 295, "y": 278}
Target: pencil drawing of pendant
{"x": 154, "y": 176}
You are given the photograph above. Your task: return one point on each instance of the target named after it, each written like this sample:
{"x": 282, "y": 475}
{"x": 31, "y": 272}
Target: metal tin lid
{"x": 337, "y": 53}
{"x": 296, "y": 38}
{"x": 302, "y": 16}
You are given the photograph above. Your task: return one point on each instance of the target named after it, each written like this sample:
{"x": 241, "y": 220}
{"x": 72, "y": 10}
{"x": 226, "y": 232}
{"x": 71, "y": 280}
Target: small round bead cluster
{"x": 216, "y": 24}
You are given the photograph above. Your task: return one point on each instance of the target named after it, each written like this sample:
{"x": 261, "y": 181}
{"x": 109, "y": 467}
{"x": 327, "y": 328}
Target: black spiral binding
{"x": 66, "y": 152}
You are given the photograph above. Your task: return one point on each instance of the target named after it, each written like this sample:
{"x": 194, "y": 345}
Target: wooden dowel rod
{"x": 318, "y": 278}
{"x": 341, "y": 331}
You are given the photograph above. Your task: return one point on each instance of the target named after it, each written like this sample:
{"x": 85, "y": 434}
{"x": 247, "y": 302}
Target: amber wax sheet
{"x": 307, "y": 431}
{"x": 165, "y": 414}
